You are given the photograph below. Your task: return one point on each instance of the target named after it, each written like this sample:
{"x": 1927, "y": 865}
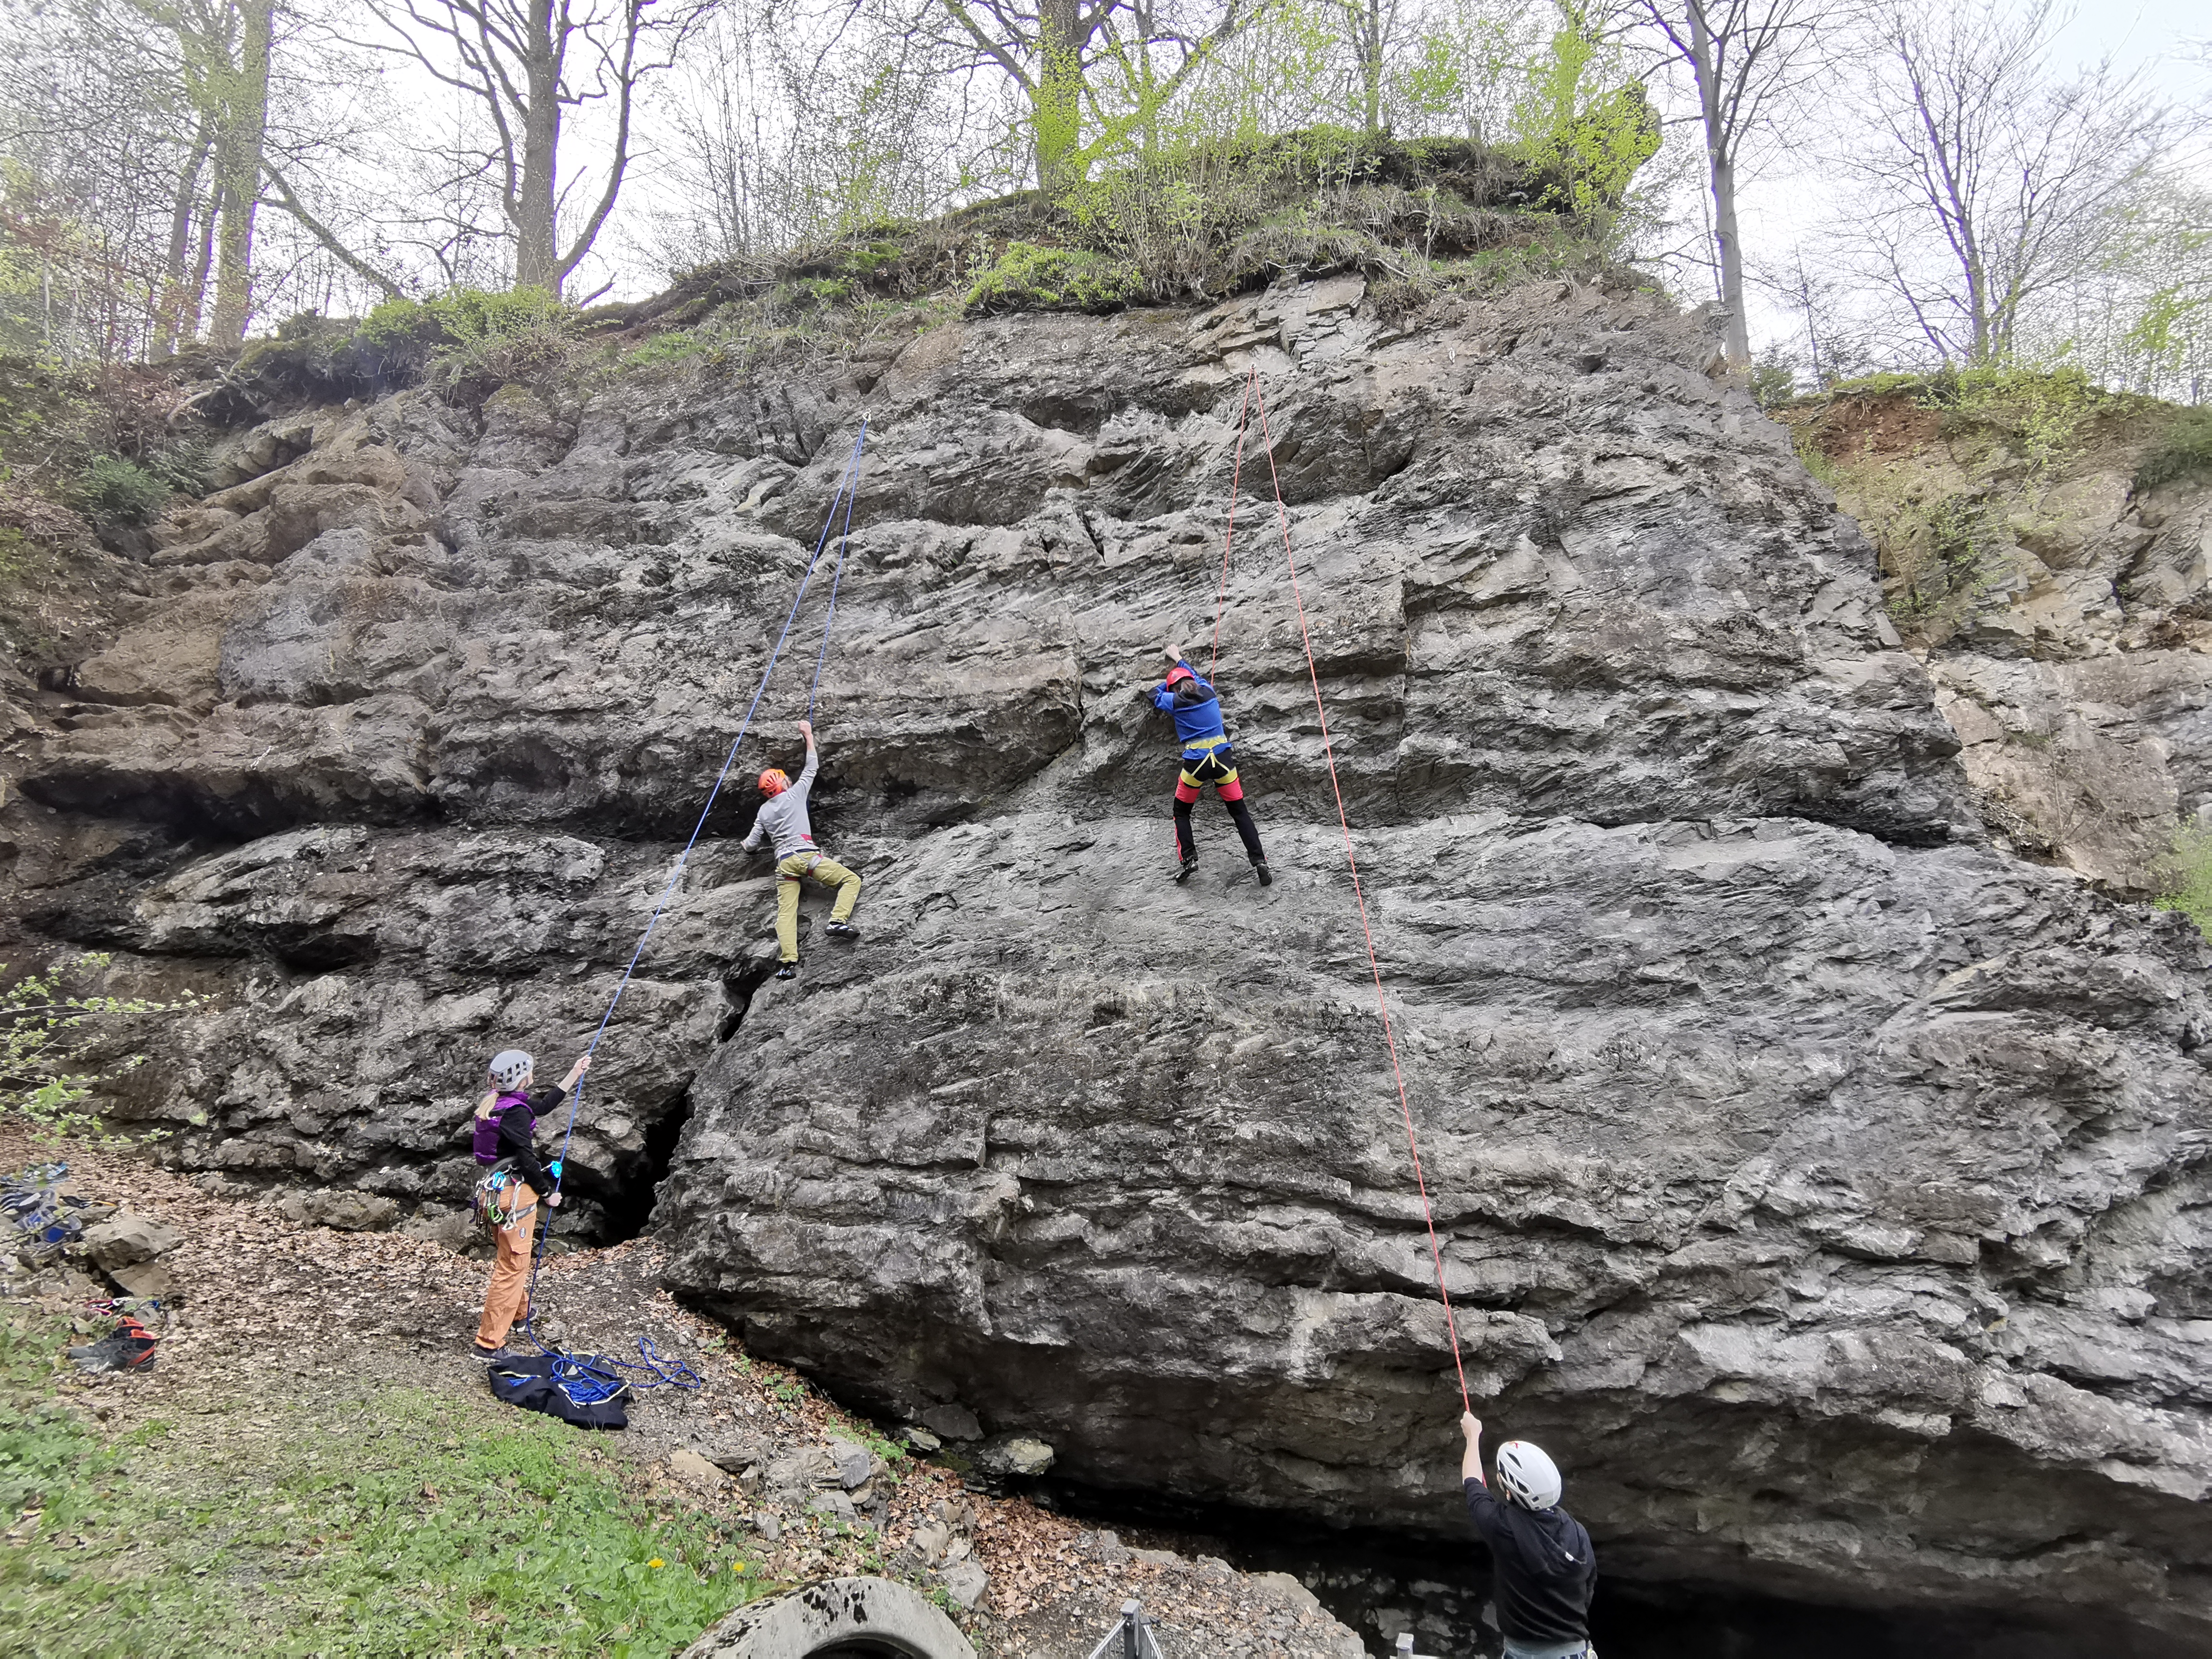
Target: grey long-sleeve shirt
{"x": 783, "y": 817}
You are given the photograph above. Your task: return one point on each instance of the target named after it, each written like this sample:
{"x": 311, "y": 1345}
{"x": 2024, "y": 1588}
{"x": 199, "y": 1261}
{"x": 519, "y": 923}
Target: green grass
{"x": 357, "y": 1522}
{"x": 2186, "y": 451}
{"x": 2187, "y": 869}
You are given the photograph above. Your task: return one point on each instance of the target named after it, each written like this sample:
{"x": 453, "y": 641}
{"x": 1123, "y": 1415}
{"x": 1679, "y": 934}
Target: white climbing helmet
{"x": 508, "y": 1068}
{"x": 1530, "y": 1479}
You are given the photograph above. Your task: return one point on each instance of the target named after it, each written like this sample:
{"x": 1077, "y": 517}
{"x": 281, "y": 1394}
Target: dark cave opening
{"x": 1380, "y": 1584}
{"x": 627, "y": 1194}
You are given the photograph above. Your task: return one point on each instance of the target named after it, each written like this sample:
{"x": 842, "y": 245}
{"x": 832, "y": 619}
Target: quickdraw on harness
{"x": 657, "y": 1372}
{"x": 1255, "y": 398}
{"x": 485, "y": 1204}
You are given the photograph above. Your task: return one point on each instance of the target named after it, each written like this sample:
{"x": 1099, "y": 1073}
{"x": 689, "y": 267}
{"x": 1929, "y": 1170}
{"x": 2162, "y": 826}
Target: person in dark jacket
{"x": 1207, "y": 759}
{"x": 1543, "y": 1566}
{"x": 506, "y": 1132}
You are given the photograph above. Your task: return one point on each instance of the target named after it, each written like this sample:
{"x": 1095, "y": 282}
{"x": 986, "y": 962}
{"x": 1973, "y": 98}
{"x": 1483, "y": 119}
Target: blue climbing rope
{"x": 666, "y": 1371}
{"x": 836, "y": 575}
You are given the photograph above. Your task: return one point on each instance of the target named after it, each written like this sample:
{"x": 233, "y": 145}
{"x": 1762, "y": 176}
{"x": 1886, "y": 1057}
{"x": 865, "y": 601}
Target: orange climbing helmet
{"x": 773, "y": 781}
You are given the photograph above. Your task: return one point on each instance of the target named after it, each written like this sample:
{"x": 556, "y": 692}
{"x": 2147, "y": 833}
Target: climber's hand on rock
{"x": 1175, "y": 653}
{"x": 1470, "y": 1425}
{"x": 553, "y": 1199}
{"x": 806, "y": 731}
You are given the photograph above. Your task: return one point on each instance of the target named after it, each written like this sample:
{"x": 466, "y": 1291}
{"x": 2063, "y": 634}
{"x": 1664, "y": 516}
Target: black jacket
{"x": 1546, "y": 1568}
{"x": 517, "y": 1128}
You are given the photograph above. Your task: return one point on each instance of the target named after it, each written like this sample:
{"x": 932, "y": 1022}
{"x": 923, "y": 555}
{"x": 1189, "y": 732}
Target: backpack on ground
{"x": 581, "y": 1390}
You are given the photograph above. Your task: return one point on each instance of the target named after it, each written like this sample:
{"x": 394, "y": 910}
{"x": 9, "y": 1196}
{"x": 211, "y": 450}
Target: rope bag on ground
{"x": 595, "y": 1381}
{"x": 1254, "y": 396}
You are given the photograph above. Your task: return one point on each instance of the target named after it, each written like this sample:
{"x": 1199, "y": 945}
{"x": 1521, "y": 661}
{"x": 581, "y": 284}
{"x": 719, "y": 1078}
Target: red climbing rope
{"x": 1405, "y": 1107}
{"x": 1229, "y": 536}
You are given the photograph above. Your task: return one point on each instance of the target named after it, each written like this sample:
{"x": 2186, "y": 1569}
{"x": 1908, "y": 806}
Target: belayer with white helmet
{"x": 1207, "y": 759}
{"x": 1542, "y": 1563}
{"x": 505, "y": 1127}
{"x": 783, "y": 820}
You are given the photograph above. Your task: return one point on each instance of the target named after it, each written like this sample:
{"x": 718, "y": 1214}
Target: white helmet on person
{"x": 1529, "y": 1477}
{"x": 509, "y": 1067}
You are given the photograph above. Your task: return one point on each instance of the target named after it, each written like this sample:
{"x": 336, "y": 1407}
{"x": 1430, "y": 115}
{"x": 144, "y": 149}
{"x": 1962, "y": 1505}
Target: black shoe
{"x": 1260, "y": 869}
{"x": 841, "y": 930}
{"x": 490, "y": 1356}
{"x": 789, "y": 970}
{"x": 125, "y": 1350}
{"x": 1189, "y": 864}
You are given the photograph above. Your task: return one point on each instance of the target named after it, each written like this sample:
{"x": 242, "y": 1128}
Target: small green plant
{"x": 112, "y": 490}
{"x": 1772, "y": 384}
{"x": 2186, "y": 451}
{"x": 1027, "y": 277}
{"x": 46, "y": 1041}
{"x": 2186, "y": 871}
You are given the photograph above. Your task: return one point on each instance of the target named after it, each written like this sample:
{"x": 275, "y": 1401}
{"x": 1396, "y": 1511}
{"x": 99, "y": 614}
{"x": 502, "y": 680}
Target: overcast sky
{"x": 2153, "y": 36}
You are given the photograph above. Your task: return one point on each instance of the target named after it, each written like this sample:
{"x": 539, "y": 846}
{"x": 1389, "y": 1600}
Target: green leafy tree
{"x": 57, "y": 1026}
{"x": 1584, "y": 117}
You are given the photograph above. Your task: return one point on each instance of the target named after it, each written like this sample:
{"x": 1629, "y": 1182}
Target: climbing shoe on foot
{"x": 841, "y": 930}
{"x": 1184, "y": 873}
{"x": 1266, "y": 876}
{"x": 789, "y": 970}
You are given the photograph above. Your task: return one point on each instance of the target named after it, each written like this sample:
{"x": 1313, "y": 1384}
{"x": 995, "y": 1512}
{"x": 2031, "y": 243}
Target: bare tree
{"x": 1747, "y": 57}
{"x": 1992, "y": 184}
{"x": 527, "y": 64}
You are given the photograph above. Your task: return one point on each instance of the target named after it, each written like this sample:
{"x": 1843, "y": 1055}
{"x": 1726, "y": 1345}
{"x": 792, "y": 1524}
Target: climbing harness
{"x": 484, "y": 1203}
{"x": 598, "y": 1372}
{"x": 1254, "y": 396}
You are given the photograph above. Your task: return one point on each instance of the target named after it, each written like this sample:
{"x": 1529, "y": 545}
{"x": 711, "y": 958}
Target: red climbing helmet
{"x": 773, "y": 781}
{"x": 1180, "y": 673}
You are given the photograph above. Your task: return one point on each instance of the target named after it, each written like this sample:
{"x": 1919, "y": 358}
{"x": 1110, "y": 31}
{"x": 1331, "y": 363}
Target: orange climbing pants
{"x": 506, "y": 1300}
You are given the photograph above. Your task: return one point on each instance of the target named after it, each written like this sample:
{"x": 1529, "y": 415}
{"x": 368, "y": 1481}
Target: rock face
{"x": 1822, "y": 1185}
{"x": 2073, "y": 653}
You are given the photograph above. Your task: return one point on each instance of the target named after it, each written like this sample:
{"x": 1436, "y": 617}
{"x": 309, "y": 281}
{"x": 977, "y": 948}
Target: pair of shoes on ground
{"x": 1259, "y": 868}
{"x": 131, "y": 1349}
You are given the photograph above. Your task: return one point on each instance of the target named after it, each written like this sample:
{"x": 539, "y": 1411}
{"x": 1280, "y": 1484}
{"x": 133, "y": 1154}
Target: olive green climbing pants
{"x": 789, "y": 874}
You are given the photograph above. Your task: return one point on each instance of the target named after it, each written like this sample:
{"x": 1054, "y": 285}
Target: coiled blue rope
{"x": 649, "y": 1359}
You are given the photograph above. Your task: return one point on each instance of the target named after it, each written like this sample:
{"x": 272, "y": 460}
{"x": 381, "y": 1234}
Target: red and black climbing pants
{"x": 1211, "y": 771}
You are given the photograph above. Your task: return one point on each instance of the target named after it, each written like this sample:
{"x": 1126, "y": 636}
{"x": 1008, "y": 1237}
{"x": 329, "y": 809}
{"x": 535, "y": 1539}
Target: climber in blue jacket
{"x": 1207, "y": 760}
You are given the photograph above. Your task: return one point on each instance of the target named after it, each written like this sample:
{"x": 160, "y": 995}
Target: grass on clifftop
{"x": 1417, "y": 217}
{"x": 1948, "y": 471}
{"x": 361, "y": 1522}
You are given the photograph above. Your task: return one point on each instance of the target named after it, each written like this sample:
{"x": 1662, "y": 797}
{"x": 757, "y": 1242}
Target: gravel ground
{"x": 280, "y": 1310}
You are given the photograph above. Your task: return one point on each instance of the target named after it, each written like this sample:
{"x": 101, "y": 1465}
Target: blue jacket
{"x": 1194, "y": 722}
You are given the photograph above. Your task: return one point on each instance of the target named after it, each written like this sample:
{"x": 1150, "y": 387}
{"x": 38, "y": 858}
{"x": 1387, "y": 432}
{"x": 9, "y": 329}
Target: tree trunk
{"x": 169, "y": 307}
{"x": 536, "y": 262}
{"x": 196, "y": 287}
{"x": 1367, "y": 22}
{"x": 238, "y": 172}
{"x": 1057, "y": 104}
{"x": 1720, "y": 162}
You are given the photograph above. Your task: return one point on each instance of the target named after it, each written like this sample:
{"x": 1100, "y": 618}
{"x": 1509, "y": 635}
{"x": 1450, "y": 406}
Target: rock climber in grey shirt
{"x": 784, "y": 823}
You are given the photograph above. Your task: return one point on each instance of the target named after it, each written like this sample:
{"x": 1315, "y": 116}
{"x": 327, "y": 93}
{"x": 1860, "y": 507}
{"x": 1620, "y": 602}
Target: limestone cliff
{"x": 1822, "y": 1184}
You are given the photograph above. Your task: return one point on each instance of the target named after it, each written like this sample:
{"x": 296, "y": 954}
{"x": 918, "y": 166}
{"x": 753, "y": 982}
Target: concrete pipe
{"x": 837, "y": 1619}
